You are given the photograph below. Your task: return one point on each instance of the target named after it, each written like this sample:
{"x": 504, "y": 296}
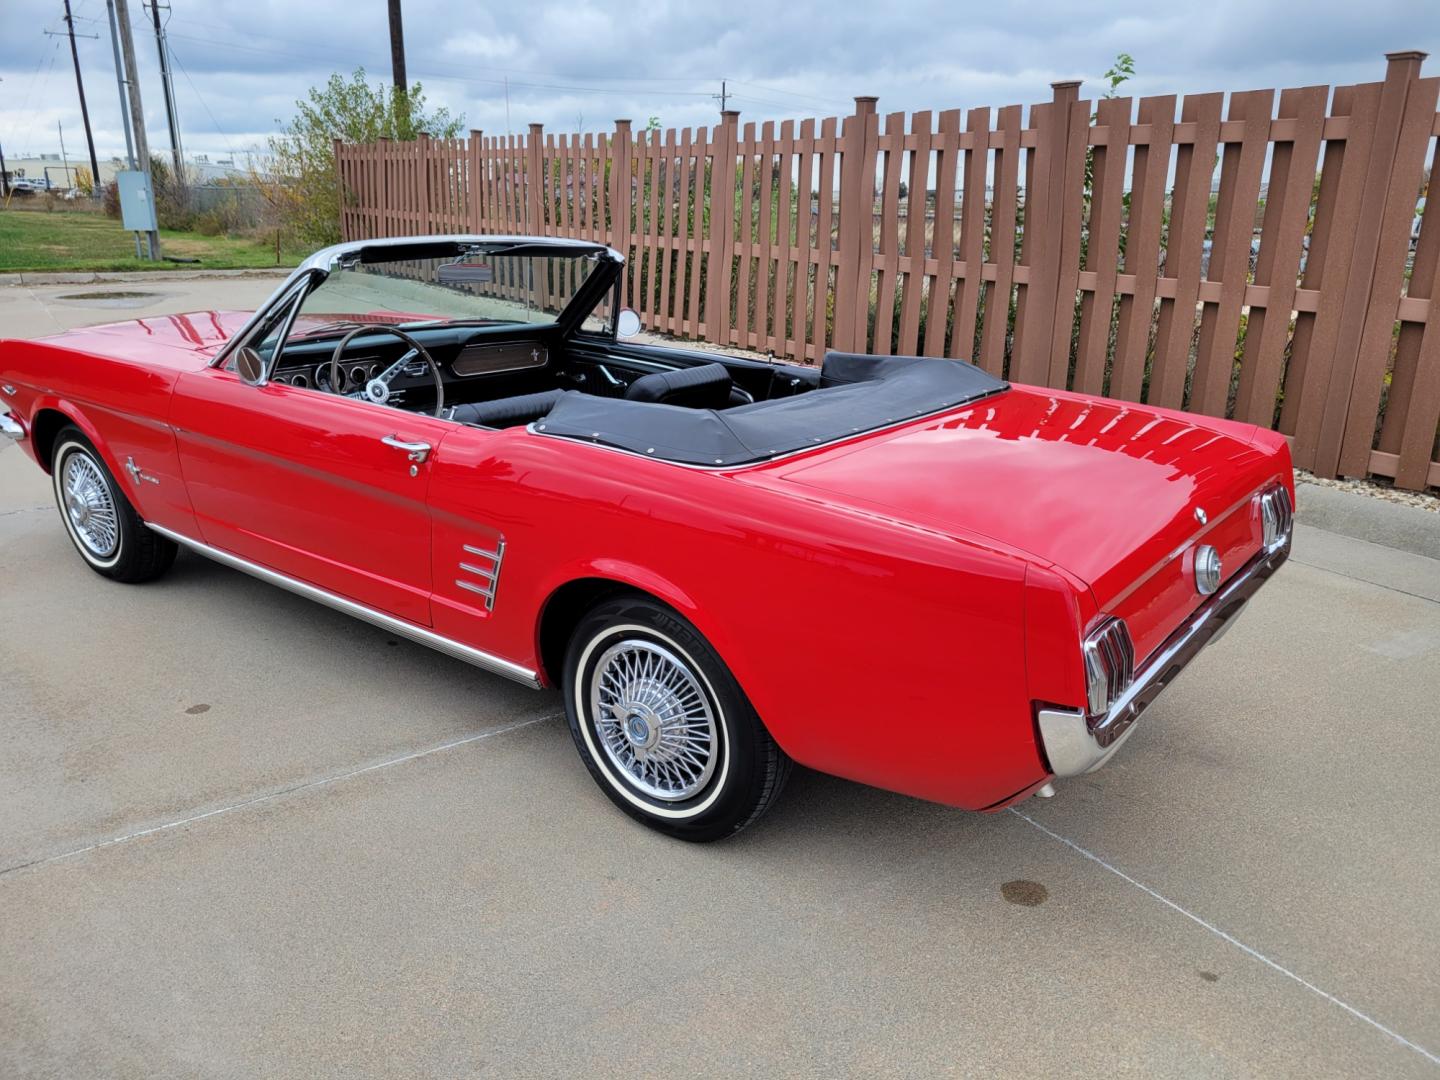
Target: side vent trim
{"x": 480, "y": 579}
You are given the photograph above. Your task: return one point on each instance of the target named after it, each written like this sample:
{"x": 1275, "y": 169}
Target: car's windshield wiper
{"x": 455, "y": 322}
{"x": 331, "y": 327}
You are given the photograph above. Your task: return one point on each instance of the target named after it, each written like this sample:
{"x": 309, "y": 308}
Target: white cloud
{"x": 573, "y": 62}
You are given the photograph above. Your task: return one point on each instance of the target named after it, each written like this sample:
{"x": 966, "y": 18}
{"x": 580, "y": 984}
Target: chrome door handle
{"x": 416, "y": 451}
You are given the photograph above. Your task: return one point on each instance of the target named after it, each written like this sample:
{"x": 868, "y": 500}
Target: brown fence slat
{"x": 1287, "y": 209}
{"x": 1189, "y": 212}
{"x": 916, "y": 200}
{"x": 800, "y": 285}
{"x": 1388, "y": 279}
{"x": 824, "y": 244}
{"x": 1142, "y": 248}
{"x": 943, "y": 237}
{"x": 1002, "y": 241}
{"x": 973, "y": 206}
{"x": 1103, "y": 249}
{"x": 1069, "y": 212}
{"x": 887, "y": 251}
{"x": 1412, "y": 410}
{"x": 1332, "y": 250}
{"x": 1240, "y": 173}
{"x": 785, "y": 149}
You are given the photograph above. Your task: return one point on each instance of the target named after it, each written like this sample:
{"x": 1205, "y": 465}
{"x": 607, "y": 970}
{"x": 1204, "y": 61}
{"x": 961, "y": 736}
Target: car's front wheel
{"x": 663, "y": 726}
{"x": 102, "y": 524}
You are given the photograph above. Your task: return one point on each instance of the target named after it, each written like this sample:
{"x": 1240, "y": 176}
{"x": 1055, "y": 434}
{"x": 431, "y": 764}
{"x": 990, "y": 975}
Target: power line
{"x": 43, "y": 81}
{"x": 791, "y": 93}
{"x": 203, "y": 103}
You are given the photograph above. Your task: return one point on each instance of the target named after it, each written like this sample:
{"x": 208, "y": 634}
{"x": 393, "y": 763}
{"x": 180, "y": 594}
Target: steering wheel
{"x": 377, "y": 390}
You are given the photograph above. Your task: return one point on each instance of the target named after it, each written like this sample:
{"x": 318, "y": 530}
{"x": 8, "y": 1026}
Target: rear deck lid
{"x": 1105, "y": 490}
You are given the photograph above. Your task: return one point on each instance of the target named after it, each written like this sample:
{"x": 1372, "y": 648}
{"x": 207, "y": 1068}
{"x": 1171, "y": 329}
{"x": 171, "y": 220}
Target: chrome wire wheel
{"x": 89, "y": 506}
{"x": 654, "y": 720}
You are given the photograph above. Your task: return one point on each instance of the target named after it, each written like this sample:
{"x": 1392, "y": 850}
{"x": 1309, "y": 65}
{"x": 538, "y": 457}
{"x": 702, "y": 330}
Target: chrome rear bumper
{"x": 10, "y": 427}
{"x": 1073, "y": 744}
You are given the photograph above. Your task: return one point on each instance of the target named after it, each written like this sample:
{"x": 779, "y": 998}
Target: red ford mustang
{"x": 900, "y": 570}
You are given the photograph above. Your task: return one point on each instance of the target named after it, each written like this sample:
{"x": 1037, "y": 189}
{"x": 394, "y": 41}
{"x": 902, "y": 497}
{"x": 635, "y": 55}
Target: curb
{"x": 96, "y": 277}
{"x": 1364, "y": 517}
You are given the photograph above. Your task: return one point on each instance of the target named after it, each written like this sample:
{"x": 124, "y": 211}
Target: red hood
{"x": 197, "y": 335}
{"x": 1102, "y": 489}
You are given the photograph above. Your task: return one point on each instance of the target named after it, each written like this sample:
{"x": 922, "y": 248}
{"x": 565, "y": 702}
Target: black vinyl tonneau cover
{"x": 857, "y": 393}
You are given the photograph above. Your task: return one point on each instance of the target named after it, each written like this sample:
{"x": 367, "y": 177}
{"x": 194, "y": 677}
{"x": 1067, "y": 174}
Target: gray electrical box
{"x": 137, "y": 202}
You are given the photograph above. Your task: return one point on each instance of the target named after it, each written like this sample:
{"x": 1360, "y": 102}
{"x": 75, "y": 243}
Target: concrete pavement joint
{"x": 256, "y": 800}
{"x": 1434, "y": 1059}
{"x": 1364, "y": 581}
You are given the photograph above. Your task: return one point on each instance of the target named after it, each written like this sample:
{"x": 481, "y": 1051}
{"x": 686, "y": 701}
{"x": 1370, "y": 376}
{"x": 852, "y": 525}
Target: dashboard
{"x": 462, "y": 354}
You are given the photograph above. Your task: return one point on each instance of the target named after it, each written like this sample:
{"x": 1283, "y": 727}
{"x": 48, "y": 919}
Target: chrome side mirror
{"x": 627, "y": 323}
{"x": 249, "y": 366}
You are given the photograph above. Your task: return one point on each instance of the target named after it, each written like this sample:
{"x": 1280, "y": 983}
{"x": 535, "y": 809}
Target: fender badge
{"x": 1200, "y": 515}
{"x": 137, "y": 474}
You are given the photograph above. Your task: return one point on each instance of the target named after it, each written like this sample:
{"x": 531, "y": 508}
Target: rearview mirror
{"x": 249, "y": 366}
{"x": 627, "y": 323}
{"x": 462, "y": 273}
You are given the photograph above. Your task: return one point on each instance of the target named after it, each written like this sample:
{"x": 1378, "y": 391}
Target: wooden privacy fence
{"x": 1261, "y": 257}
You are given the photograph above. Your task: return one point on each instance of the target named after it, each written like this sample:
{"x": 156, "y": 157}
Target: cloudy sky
{"x": 577, "y": 64}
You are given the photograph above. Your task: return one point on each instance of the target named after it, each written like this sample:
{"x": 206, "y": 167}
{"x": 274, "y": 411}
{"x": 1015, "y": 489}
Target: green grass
{"x": 39, "y": 240}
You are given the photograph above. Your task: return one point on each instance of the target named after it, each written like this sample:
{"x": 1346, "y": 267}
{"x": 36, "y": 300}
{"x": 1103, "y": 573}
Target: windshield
{"x": 478, "y": 288}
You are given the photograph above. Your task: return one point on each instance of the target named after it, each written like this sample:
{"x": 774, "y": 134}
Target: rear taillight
{"x": 1109, "y": 664}
{"x": 1276, "y": 517}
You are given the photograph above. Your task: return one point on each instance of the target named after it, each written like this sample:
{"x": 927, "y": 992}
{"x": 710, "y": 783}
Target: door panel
{"x": 300, "y": 481}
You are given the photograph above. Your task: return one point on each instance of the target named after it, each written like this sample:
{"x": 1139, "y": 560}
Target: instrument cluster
{"x": 354, "y": 375}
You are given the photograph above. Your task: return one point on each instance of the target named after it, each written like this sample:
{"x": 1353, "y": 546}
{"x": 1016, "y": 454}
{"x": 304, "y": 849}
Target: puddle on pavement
{"x": 112, "y": 298}
{"x": 1025, "y": 893}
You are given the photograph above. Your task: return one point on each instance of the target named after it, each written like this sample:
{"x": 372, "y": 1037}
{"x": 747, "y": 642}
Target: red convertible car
{"x": 900, "y": 570}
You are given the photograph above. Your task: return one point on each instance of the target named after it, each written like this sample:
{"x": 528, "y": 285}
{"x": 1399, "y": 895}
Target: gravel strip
{"x": 1375, "y": 489}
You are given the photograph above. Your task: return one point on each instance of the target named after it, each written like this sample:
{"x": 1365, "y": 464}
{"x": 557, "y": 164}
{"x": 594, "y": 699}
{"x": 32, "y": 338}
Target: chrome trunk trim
{"x": 1074, "y": 745}
{"x": 419, "y": 634}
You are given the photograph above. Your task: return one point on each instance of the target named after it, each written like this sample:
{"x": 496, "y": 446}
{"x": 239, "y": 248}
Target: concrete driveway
{"x": 242, "y": 835}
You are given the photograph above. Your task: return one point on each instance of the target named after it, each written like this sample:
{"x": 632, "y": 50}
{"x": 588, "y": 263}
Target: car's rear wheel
{"x": 102, "y": 524}
{"x": 663, "y": 726}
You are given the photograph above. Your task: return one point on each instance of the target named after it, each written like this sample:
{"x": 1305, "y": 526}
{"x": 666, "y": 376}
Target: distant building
{"x": 51, "y": 171}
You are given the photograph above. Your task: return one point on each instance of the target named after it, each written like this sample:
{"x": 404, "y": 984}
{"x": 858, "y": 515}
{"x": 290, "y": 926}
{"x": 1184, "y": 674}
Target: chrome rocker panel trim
{"x": 419, "y": 634}
{"x": 1073, "y": 746}
{"x": 10, "y": 427}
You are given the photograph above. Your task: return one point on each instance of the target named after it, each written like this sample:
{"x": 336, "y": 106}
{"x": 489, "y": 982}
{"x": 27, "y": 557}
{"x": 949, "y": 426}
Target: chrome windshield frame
{"x": 322, "y": 263}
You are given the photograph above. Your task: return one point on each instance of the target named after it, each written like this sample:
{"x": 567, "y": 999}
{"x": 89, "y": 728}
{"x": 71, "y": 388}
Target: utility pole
{"x": 84, "y": 110}
{"x": 4, "y": 176}
{"x": 723, "y": 97}
{"x": 137, "y": 109}
{"x": 64, "y": 158}
{"x": 167, "y": 84}
{"x": 120, "y": 86}
{"x": 124, "y": 102}
{"x": 397, "y": 47}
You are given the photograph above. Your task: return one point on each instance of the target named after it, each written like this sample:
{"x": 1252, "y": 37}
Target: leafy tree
{"x": 302, "y": 183}
{"x": 1119, "y": 73}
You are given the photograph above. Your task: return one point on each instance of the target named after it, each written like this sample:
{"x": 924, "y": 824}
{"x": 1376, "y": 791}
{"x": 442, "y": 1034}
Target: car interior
{"x": 491, "y": 365}
{"x": 510, "y": 377}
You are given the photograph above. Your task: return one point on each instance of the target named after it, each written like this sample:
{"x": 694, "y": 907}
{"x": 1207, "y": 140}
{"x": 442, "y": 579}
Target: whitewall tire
{"x": 101, "y": 523}
{"x": 663, "y": 727}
